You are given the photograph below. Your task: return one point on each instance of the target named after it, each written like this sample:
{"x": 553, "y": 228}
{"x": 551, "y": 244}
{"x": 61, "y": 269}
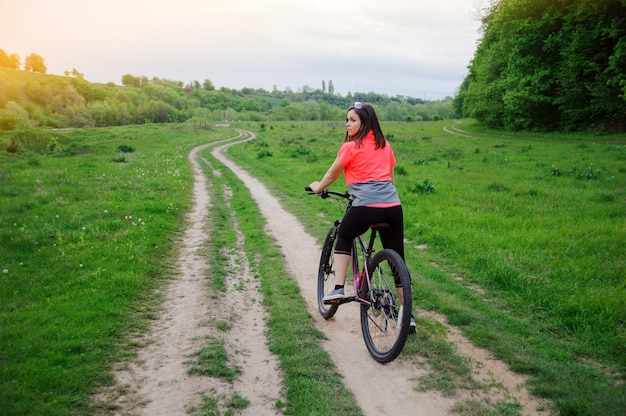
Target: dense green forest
{"x": 36, "y": 99}
{"x": 549, "y": 65}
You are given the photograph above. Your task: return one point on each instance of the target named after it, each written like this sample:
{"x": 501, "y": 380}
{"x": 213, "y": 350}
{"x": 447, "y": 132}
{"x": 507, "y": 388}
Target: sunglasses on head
{"x": 358, "y": 105}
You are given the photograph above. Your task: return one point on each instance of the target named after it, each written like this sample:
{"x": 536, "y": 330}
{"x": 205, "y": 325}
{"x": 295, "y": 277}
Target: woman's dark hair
{"x": 369, "y": 121}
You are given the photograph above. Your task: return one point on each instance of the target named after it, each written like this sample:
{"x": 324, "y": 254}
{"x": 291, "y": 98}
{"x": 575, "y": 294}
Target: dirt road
{"x": 157, "y": 382}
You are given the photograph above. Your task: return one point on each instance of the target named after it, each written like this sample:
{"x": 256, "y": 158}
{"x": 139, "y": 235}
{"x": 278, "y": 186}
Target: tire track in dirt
{"x": 260, "y": 381}
{"x": 456, "y": 131}
{"x": 157, "y": 382}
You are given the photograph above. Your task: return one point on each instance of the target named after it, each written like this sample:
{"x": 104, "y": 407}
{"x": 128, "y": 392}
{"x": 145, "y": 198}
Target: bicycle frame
{"x": 360, "y": 275}
{"x": 360, "y": 278}
{"x": 385, "y": 311}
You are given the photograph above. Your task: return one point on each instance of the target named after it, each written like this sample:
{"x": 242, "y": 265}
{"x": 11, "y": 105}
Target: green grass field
{"x": 536, "y": 222}
{"x": 524, "y": 238}
{"x": 86, "y": 233}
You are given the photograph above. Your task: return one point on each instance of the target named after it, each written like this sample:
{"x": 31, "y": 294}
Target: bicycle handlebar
{"x": 326, "y": 193}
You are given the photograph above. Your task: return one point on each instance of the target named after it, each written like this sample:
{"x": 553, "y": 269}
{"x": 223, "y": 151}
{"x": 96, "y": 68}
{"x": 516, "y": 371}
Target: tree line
{"x": 33, "y": 62}
{"x": 30, "y": 99}
{"x": 549, "y": 65}
{"x": 541, "y": 65}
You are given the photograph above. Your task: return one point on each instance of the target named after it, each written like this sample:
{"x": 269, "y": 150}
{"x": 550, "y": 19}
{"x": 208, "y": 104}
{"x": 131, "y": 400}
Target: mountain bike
{"x": 379, "y": 280}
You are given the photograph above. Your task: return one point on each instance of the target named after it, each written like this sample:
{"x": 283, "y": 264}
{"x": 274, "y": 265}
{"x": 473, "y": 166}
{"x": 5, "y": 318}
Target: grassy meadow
{"x": 87, "y": 233}
{"x": 524, "y": 237}
{"x": 519, "y": 239}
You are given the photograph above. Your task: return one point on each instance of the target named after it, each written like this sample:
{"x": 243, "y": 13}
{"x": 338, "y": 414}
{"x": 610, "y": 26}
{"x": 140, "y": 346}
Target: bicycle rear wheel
{"x": 385, "y": 323}
{"x": 326, "y": 275}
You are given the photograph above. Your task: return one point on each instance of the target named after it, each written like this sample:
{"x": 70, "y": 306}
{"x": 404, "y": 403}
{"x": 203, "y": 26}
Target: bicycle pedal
{"x": 340, "y": 300}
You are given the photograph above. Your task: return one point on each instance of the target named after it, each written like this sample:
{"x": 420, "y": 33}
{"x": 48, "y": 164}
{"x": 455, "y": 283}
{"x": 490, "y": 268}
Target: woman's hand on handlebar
{"x": 325, "y": 193}
{"x": 314, "y": 187}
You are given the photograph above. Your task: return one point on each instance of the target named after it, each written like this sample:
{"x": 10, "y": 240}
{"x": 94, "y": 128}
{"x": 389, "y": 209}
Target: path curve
{"x": 456, "y": 131}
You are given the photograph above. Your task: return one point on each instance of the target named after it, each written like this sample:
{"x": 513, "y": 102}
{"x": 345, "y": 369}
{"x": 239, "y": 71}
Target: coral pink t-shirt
{"x": 366, "y": 163}
{"x": 367, "y": 171}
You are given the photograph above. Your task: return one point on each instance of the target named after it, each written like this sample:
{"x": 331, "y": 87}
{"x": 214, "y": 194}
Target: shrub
{"x": 585, "y": 173}
{"x": 426, "y": 187}
{"x": 263, "y": 153}
{"x": 13, "y": 147}
{"x": 8, "y": 121}
{"x": 124, "y": 148}
{"x": 53, "y": 145}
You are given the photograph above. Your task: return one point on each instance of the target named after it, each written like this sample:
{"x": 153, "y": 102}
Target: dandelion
{"x": 106, "y": 210}
{"x": 80, "y": 265}
{"x": 5, "y": 271}
{"x": 83, "y": 228}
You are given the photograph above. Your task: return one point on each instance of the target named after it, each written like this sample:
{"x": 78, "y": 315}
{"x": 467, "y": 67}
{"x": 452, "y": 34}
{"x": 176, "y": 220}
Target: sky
{"x": 413, "y": 48}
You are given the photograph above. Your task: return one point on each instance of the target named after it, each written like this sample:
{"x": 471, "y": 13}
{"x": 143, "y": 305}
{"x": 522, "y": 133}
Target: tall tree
{"x": 592, "y": 36}
{"x": 129, "y": 80}
{"x": 35, "y": 63}
{"x": 9, "y": 61}
{"x": 208, "y": 85}
{"x": 549, "y": 64}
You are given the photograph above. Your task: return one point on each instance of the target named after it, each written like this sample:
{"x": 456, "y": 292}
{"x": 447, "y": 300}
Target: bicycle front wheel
{"x": 385, "y": 322}
{"x": 326, "y": 275}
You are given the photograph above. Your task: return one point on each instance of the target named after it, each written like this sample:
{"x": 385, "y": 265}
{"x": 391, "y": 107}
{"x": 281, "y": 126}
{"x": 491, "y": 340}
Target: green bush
{"x": 125, "y": 148}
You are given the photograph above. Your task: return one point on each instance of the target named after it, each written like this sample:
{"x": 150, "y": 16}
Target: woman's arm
{"x": 331, "y": 176}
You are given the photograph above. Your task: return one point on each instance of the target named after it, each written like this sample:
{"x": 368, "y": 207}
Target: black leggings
{"x": 359, "y": 219}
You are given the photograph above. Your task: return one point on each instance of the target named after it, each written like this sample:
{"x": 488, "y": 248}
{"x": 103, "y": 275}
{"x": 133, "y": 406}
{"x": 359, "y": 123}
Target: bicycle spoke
{"x": 383, "y": 317}
{"x": 382, "y": 322}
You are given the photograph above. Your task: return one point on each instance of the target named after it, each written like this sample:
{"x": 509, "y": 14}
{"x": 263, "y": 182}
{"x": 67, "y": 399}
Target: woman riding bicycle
{"x": 367, "y": 161}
